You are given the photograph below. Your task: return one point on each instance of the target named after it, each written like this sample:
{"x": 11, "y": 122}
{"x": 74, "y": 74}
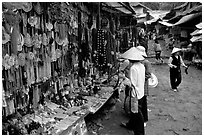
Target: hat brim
{"x": 175, "y": 50}
{"x": 144, "y": 54}
{"x": 133, "y": 54}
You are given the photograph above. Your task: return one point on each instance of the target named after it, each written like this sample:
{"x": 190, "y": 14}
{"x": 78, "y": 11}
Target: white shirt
{"x": 137, "y": 78}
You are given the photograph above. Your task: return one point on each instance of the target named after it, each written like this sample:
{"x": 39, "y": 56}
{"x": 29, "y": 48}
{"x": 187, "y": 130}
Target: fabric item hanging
{"x": 184, "y": 34}
{"x": 38, "y": 8}
{"x": 14, "y": 40}
{"x": 5, "y": 36}
{"x": 101, "y": 58}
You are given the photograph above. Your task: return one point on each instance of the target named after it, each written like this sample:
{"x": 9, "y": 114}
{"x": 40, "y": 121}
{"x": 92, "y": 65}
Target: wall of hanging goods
{"x": 55, "y": 62}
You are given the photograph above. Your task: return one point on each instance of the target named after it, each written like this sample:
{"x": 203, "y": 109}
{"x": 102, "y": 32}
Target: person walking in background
{"x": 158, "y": 50}
{"x": 147, "y": 65}
{"x": 143, "y": 39}
{"x": 137, "y": 79}
{"x": 171, "y": 43}
{"x": 175, "y": 61}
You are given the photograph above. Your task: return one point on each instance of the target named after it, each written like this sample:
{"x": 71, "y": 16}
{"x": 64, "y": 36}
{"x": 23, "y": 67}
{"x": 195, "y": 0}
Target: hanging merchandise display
{"x": 38, "y": 8}
{"x": 32, "y": 20}
{"x": 42, "y": 44}
{"x": 28, "y": 40}
{"x": 101, "y": 49}
{"x": 20, "y": 42}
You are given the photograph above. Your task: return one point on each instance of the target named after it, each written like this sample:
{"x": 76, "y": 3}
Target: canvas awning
{"x": 187, "y": 18}
{"x": 196, "y": 38}
{"x": 196, "y": 32}
{"x": 118, "y": 6}
{"x": 199, "y": 26}
{"x": 166, "y": 23}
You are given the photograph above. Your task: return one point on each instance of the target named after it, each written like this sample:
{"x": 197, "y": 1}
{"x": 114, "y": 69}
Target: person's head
{"x": 142, "y": 51}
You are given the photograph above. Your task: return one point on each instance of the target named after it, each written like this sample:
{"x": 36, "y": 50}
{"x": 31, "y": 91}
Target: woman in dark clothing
{"x": 175, "y": 61}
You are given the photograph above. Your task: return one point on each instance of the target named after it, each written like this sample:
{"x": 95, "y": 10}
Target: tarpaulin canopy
{"x": 152, "y": 20}
{"x": 199, "y": 26}
{"x": 196, "y": 38}
{"x": 166, "y": 23}
{"x": 175, "y": 15}
{"x": 187, "y": 18}
{"x": 196, "y": 32}
{"x": 118, "y": 6}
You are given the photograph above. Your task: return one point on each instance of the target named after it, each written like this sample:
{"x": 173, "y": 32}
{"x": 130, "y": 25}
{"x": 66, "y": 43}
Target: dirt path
{"x": 171, "y": 113}
{"x": 176, "y": 113}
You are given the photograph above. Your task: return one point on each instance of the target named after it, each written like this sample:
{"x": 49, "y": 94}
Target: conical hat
{"x": 132, "y": 54}
{"x": 142, "y": 50}
{"x": 175, "y": 50}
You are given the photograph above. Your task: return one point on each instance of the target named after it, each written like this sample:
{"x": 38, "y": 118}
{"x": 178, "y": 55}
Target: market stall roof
{"x": 152, "y": 20}
{"x": 156, "y": 16}
{"x": 186, "y": 6}
{"x": 196, "y": 32}
{"x": 136, "y": 4}
{"x": 196, "y": 38}
{"x": 158, "y": 13}
{"x": 166, "y": 23}
{"x": 199, "y": 26}
{"x": 187, "y": 18}
{"x": 119, "y": 6}
{"x": 174, "y": 15}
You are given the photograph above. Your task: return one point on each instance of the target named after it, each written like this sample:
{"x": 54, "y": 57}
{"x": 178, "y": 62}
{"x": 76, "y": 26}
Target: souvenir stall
{"x": 50, "y": 81}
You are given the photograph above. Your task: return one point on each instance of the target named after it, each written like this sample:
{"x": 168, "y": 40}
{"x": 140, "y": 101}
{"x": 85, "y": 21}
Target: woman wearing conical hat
{"x": 175, "y": 61}
{"x": 147, "y": 65}
{"x": 137, "y": 79}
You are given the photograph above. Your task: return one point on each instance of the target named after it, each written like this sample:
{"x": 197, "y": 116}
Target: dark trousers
{"x": 158, "y": 55}
{"x": 143, "y": 104}
{"x": 136, "y": 122}
{"x": 175, "y": 77}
